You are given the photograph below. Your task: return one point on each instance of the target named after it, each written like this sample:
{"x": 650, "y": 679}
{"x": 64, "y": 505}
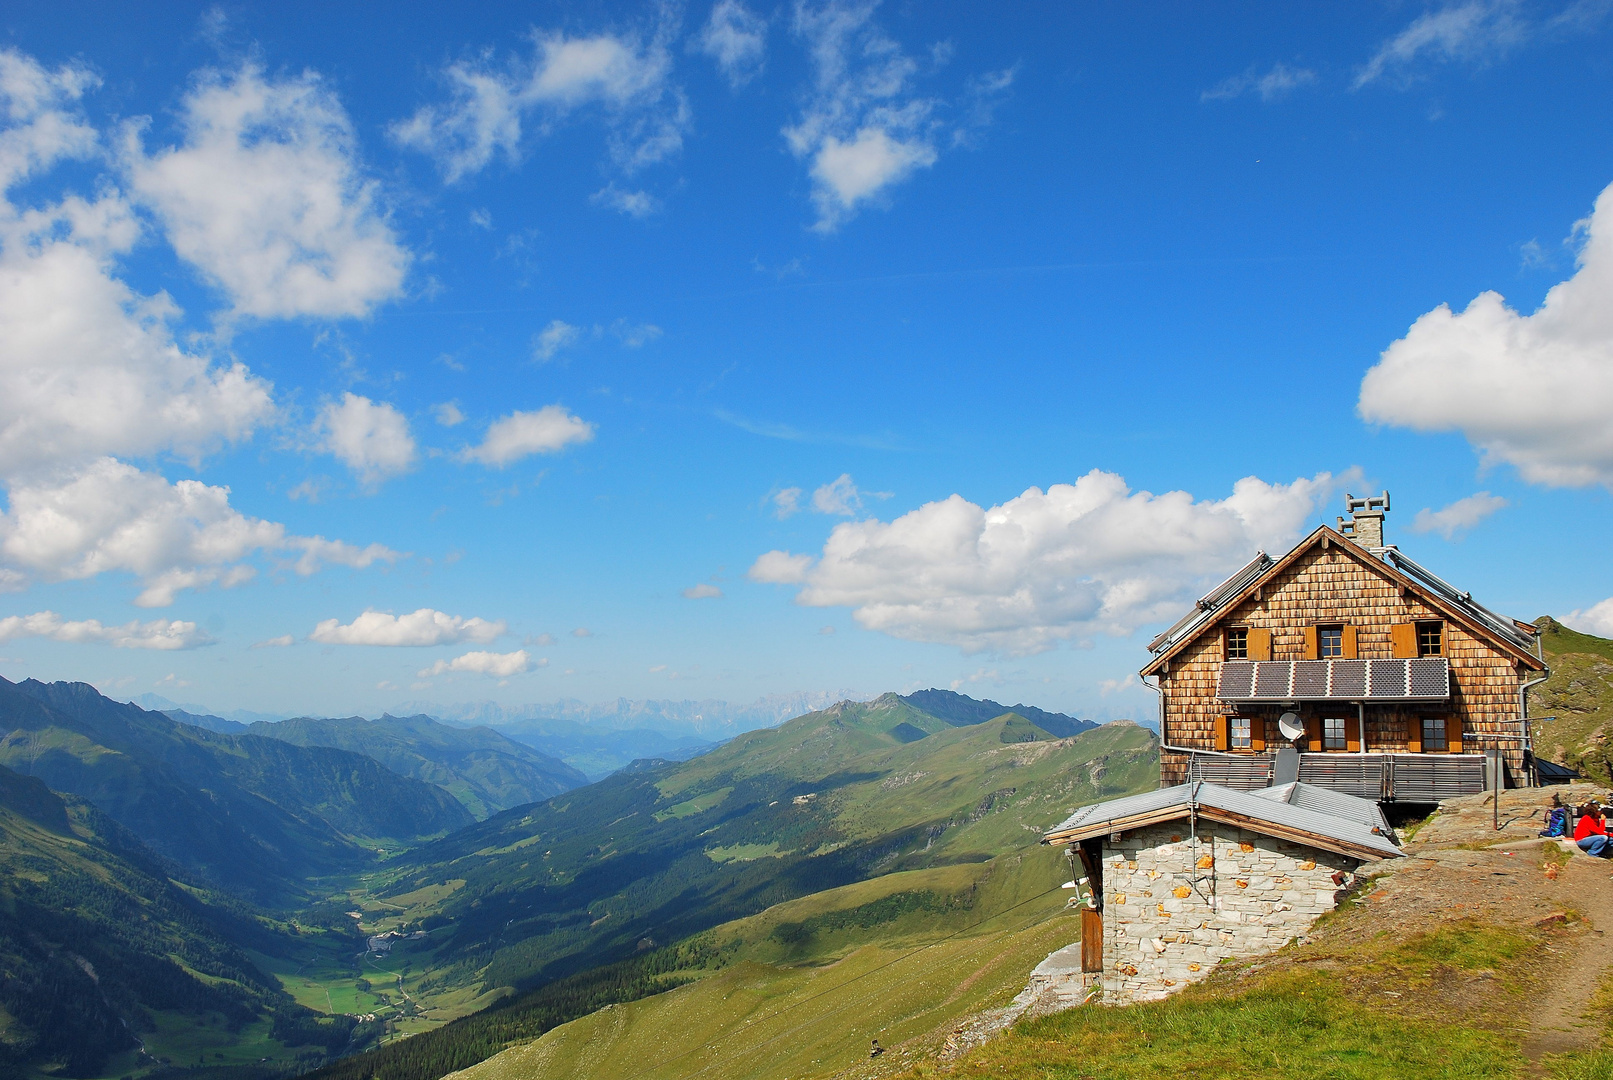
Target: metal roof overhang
{"x": 1424, "y": 679}
{"x": 1275, "y": 813}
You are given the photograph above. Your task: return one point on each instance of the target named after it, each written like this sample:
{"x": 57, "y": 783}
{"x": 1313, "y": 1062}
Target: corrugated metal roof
{"x": 1326, "y": 801}
{"x": 1326, "y": 815}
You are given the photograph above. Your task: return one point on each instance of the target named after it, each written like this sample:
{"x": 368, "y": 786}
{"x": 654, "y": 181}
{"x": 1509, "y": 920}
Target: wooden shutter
{"x": 1349, "y": 643}
{"x": 1091, "y": 940}
{"x": 1221, "y": 739}
{"x": 1414, "y": 735}
{"x": 1312, "y": 650}
{"x": 1313, "y": 734}
{"x": 1453, "y": 734}
{"x": 1257, "y": 735}
{"x": 1259, "y": 644}
{"x": 1352, "y": 734}
{"x": 1403, "y": 644}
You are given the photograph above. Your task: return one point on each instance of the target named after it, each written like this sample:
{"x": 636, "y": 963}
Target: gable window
{"x": 1434, "y": 738}
{"x": 1430, "y": 639}
{"x": 1330, "y": 642}
{"x": 1333, "y": 737}
{"x": 1238, "y": 643}
{"x": 1241, "y": 731}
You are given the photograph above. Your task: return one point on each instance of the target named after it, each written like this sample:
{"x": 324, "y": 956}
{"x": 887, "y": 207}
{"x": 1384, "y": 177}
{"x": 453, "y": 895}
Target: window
{"x": 1430, "y": 639}
{"x": 1333, "y": 733}
{"x": 1330, "y": 642}
{"x": 1238, "y": 643}
{"x": 1240, "y": 727}
{"x": 1434, "y": 735}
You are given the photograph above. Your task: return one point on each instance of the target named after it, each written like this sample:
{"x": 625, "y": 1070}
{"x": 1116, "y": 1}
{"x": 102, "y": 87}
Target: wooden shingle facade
{"x": 1386, "y": 681}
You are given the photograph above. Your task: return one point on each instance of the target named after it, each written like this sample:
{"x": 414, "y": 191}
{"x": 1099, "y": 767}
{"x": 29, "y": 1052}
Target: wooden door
{"x": 1091, "y": 940}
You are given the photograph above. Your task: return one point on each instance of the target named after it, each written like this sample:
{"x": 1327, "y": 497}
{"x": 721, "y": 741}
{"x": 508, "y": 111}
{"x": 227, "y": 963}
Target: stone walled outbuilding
{"x": 1184, "y": 877}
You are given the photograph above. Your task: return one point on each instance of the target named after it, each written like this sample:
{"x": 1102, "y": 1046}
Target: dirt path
{"x": 1558, "y": 1015}
{"x": 1461, "y": 867}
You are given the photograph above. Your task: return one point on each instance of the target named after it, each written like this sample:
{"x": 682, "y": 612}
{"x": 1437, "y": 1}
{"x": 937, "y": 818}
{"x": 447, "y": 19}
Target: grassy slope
{"x": 810, "y": 982}
{"x": 1580, "y": 695}
{"x": 104, "y": 956}
{"x": 484, "y": 770}
{"x": 646, "y": 858}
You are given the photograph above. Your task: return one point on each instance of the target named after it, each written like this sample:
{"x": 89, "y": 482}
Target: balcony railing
{"x": 1424, "y": 679}
{"x": 1419, "y": 778}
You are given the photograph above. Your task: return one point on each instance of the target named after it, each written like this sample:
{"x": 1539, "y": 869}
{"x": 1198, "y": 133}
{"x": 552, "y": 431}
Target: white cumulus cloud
{"x": 284, "y": 641}
{"x": 1459, "y": 517}
{"x": 702, "y": 591}
{"x": 492, "y": 104}
{"x": 40, "y": 124}
{"x": 370, "y": 438}
{"x": 498, "y": 665}
{"x": 112, "y": 517}
{"x": 1597, "y": 619}
{"x": 1534, "y": 391}
{"x": 735, "y": 37}
{"x": 266, "y": 197}
{"x": 160, "y": 634}
{"x": 520, "y": 434}
{"x": 780, "y": 568}
{"x": 418, "y": 628}
{"x": 1082, "y": 558}
{"x": 90, "y": 367}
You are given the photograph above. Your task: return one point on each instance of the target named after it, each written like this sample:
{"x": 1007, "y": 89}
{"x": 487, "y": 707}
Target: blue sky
{"x": 714, "y": 351}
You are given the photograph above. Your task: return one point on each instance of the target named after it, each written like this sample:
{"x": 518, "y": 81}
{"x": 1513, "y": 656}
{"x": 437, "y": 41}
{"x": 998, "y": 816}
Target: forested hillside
{"x": 107, "y": 965}
{"x": 258, "y": 816}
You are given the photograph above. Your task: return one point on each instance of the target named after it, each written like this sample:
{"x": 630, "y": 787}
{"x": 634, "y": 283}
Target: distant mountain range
{"x": 484, "y": 770}
{"x": 709, "y": 719}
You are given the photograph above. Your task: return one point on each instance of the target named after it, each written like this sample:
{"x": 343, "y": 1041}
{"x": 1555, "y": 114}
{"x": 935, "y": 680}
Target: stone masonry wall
{"x": 1174, "y": 909}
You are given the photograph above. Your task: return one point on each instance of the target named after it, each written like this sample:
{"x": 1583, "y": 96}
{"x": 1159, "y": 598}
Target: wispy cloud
{"x": 1278, "y": 82}
{"x": 1474, "y": 32}
{"x": 1459, "y": 517}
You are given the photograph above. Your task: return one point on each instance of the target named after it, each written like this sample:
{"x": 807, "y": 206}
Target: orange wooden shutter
{"x": 1352, "y": 735}
{"x": 1257, "y": 735}
{"x": 1221, "y": 741}
{"x": 1259, "y": 644}
{"x": 1349, "y": 643}
{"x": 1313, "y": 734}
{"x": 1453, "y": 734}
{"x": 1414, "y": 735}
{"x": 1403, "y": 641}
{"x": 1312, "y": 651}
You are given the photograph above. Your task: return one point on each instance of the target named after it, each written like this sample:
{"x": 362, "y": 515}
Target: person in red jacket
{"x": 1591, "y": 832}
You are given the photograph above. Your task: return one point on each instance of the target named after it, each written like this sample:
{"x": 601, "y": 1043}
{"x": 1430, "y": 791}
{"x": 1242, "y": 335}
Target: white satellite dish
{"x": 1288, "y": 723}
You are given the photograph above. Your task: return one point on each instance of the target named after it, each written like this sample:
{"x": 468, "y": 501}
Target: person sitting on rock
{"x": 1556, "y": 818}
{"x": 1591, "y": 832}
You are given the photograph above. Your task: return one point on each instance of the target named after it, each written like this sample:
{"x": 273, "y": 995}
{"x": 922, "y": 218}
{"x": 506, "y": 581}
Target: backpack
{"x": 1556, "y": 822}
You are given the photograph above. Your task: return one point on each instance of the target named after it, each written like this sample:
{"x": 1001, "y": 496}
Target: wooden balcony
{"x": 1418, "y": 778}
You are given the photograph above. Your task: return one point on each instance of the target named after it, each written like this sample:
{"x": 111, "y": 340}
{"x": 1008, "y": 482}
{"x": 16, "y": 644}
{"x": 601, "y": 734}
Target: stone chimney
{"x": 1365, "y": 526}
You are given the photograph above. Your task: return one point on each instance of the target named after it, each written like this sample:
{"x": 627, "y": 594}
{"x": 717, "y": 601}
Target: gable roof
{"x": 1507, "y": 635}
{"x": 1313, "y": 816}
